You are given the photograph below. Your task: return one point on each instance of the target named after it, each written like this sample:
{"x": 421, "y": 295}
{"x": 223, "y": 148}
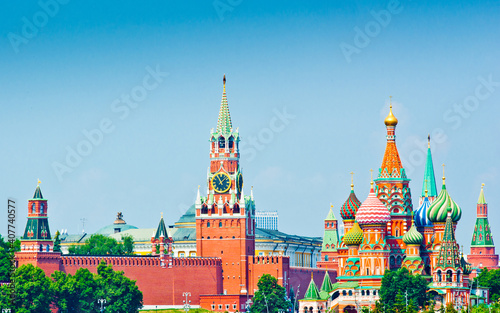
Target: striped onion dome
{"x": 420, "y": 216}
{"x": 354, "y": 236}
{"x": 372, "y": 211}
{"x": 350, "y": 206}
{"x": 413, "y": 236}
{"x": 437, "y": 212}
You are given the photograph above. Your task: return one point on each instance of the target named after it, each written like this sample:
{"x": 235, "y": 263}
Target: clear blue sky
{"x": 69, "y": 74}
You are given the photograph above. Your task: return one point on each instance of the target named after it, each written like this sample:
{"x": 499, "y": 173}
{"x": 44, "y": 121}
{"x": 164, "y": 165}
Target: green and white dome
{"x": 437, "y": 212}
{"x": 413, "y": 236}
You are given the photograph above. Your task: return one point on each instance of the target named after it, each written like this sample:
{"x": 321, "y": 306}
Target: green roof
{"x": 224, "y": 124}
{"x": 37, "y": 229}
{"x": 312, "y": 292}
{"x": 161, "y": 230}
{"x": 189, "y": 216}
{"x": 327, "y": 285}
{"x": 482, "y": 234}
{"x": 111, "y": 229}
{"x": 330, "y": 216}
{"x": 38, "y": 194}
{"x": 429, "y": 178}
{"x": 481, "y": 199}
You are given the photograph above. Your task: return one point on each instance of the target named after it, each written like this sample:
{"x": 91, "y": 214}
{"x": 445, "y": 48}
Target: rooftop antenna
{"x": 83, "y": 220}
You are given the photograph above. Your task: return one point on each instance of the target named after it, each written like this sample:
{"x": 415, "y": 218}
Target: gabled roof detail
{"x": 224, "y": 124}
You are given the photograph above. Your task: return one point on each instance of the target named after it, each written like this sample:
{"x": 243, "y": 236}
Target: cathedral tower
{"x": 394, "y": 191}
{"x": 225, "y": 218}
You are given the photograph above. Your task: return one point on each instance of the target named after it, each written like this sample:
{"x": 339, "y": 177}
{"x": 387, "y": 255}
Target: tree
{"x": 121, "y": 293}
{"x": 32, "y": 290}
{"x": 450, "y": 308}
{"x": 490, "y": 279}
{"x": 270, "y": 296}
{"x": 57, "y": 242}
{"x": 399, "y": 282}
{"x": 102, "y": 245}
{"x": 75, "y": 293}
{"x": 6, "y": 254}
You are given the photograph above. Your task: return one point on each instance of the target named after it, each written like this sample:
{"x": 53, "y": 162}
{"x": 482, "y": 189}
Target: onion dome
{"x": 413, "y": 236}
{"x": 437, "y": 212}
{"x": 354, "y": 236}
{"x": 420, "y": 216}
{"x": 372, "y": 211}
{"x": 350, "y": 206}
{"x": 391, "y": 120}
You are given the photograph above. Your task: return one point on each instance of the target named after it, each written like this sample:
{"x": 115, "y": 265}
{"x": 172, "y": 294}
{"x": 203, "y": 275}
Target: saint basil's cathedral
{"x": 384, "y": 232}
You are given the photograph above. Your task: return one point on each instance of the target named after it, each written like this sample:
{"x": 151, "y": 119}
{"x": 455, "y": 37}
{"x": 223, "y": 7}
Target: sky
{"x": 111, "y": 104}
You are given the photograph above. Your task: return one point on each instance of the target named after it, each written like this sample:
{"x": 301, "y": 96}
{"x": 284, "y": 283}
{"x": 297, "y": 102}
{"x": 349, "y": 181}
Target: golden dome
{"x": 391, "y": 120}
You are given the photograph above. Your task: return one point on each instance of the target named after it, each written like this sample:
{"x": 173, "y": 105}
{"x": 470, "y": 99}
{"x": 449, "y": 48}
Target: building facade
{"x": 267, "y": 219}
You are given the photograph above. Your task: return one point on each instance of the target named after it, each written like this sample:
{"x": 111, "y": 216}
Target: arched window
{"x": 458, "y": 276}
{"x": 220, "y": 224}
{"x": 208, "y": 237}
{"x": 41, "y": 208}
{"x": 368, "y": 292}
{"x": 326, "y": 257}
{"x": 449, "y": 276}
{"x": 440, "y": 277}
{"x": 222, "y": 142}
{"x": 350, "y": 292}
{"x": 208, "y": 224}
{"x": 343, "y": 292}
{"x": 362, "y": 292}
{"x": 33, "y": 208}
{"x": 397, "y": 232}
{"x": 231, "y": 142}
{"x": 47, "y": 248}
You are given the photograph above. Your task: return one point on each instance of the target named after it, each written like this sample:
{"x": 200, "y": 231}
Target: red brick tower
{"x": 225, "y": 218}
{"x": 482, "y": 249}
{"x": 36, "y": 243}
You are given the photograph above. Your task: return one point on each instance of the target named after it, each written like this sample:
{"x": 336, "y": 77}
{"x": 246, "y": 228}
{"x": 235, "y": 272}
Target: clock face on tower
{"x": 221, "y": 182}
{"x": 239, "y": 182}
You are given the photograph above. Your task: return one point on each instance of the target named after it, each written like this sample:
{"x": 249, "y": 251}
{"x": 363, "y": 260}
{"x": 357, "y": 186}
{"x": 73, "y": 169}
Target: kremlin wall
{"x": 382, "y": 232}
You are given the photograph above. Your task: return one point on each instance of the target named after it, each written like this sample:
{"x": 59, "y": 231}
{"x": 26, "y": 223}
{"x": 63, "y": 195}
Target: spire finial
{"x": 444, "y": 177}
{"x": 371, "y": 177}
{"x": 390, "y": 120}
{"x": 312, "y": 275}
{"x": 482, "y": 186}
{"x": 224, "y": 83}
{"x": 428, "y": 140}
{"x": 331, "y": 205}
{"x": 390, "y": 102}
{"x": 40, "y": 182}
{"x": 426, "y": 191}
{"x": 161, "y": 214}
{"x": 352, "y": 180}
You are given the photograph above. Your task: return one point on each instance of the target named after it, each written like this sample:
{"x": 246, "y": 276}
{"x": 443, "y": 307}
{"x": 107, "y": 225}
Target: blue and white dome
{"x": 420, "y": 215}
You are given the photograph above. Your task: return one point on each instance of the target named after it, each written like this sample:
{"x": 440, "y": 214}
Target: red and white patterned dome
{"x": 372, "y": 211}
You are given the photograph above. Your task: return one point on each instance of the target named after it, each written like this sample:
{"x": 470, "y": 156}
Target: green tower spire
{"x": 312, "y": 292}
{"x": 331, "y": 235}
{"x": 429, "y": 183}
{"x": 449, "y": 254}
{"x": 482, "y": 231}
{"x": 224, "y": 124}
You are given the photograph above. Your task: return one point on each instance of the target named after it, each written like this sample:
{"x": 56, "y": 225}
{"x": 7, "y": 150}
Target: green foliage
{"x": 491, "y": 279}
{"x": 396, "y": 283}
{"x": 57, "y": 242}
{"x": 6, "y": 255}
{"x": 270, "y": 296}
{"x": 450, "y": 308}
{"x": 75, "y": 293}
{"x": 32, "y": 290}
{"x": 102, "y": 245}
{"x": 121, "y": 293}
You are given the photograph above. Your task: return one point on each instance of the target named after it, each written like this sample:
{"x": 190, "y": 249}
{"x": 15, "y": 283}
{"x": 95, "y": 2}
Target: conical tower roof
{"x": 330, "y": 216}
{"x": 429, "y": 182}
{"x": 482, "y": 231}
{"x": 327, "y": 285}
{"x": 391, "y": 163}
{"x": 161, "y": 230}
{"x": 38, "y": 193}
{"x": 312, "y": 292}
{"x": 224, "y": 124}
{"x": 449, "y": 255}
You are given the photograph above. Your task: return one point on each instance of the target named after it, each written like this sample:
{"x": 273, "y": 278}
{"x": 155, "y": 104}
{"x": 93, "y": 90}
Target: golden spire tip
{"x": 39, "y": 182}
{"x": 482, "y": 185}
{"x": 352, "y": 180}
{"x": 161, "y": 214}
{"x": 371, "y": 177}
{"x": 444, "y": 177}
{"x": 428, "y": 140}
